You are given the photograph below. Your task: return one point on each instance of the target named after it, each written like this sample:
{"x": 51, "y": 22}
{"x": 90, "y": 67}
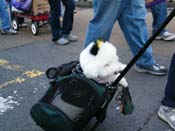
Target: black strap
{"x": 103, "y": 110}
{"x": 142, "y": 50}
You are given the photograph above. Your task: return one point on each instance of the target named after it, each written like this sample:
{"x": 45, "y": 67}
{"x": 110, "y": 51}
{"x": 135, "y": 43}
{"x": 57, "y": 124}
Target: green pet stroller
{"x": 72, "y": 100}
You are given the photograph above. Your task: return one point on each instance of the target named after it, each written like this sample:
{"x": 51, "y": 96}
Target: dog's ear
{"x": 94, "y": 49}
{"x": 96, "y": 46}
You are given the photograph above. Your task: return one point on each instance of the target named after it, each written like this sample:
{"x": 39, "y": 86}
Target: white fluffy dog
{"x": 99, "y": 61}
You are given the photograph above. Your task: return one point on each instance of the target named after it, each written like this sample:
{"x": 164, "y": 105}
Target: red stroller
{"x": 38, "y": 14}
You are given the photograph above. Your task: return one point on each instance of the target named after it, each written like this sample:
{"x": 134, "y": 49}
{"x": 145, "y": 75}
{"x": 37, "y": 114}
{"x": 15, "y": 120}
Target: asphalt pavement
{"x": 24, "y": 58}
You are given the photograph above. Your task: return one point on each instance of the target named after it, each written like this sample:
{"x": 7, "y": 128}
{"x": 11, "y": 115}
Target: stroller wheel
{"x": 34, "y": 28}
{"x": 15, "y": 24}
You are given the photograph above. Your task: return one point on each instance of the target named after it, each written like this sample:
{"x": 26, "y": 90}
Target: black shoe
{"x": 9, "y": 32}
{"x": 156, "y": 69}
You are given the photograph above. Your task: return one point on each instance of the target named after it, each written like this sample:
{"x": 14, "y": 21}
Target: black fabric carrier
{"x": 69, "y": 103}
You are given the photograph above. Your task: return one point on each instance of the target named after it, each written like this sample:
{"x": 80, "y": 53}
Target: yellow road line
{"x": 33, "y": 73}
{"x": 3, "y": 62}
{"x": 17, "y": 80}
{"x": 28, "y": 74}
{"x": 7, "y": 65}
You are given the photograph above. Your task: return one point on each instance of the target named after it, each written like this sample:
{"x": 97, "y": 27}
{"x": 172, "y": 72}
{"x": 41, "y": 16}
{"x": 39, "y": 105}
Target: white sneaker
{"x": 9, "y": 32}
{"x": 62, "y": 41}
{"x": 155, "y": 69}
{"x": 166, "y": 36}
{"x": 71, "y": 37}
{"x": 167, "y": 114}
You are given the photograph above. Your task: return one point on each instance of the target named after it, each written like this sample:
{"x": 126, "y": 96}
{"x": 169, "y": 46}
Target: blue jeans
{"x": 55, "y": 12}
{"x": 5, "y": 18}
{"x": 159, "y": 13}
{"x": 131, "y": 16}
{"x": 169, "y": 98}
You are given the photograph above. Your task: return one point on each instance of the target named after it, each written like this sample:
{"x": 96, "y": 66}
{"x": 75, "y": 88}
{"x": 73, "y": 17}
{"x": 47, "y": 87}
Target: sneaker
{"x": 167, "y": 114}
{"x": 71, "y": 37}
{"x": 62, "y": 41}
{"x": 9, "y": 32}
{"x": 166, "y": 36}
{"x": 156, "y": 69}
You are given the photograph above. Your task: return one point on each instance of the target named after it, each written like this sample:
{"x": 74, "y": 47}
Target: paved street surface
{"x": 24, "y": 58}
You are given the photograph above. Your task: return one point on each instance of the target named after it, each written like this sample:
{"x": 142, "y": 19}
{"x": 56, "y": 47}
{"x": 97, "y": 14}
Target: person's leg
{"x": 105, "y": 15}
{"x": 68, "y": 19}
{"x": 5, "y": 18}
{"x": 133, "y": 25}
{"x": 169, "y": 97}
{"x": 68, "y": 16}
{"x": 166, "y": 111}
{"x": 159, "y": 13}
{"x": 54, "y": 19}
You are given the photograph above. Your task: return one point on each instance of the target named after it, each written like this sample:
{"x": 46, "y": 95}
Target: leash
{"x": 130, "y": 64}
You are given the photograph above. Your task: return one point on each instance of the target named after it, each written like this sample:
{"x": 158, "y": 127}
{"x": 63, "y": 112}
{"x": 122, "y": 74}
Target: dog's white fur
{"x": 103, "y": 67}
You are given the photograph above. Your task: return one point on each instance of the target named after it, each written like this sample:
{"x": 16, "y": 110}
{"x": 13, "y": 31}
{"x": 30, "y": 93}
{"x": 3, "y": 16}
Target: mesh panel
{"x": 77, "y": 92}
{"x": 73, "y": 95}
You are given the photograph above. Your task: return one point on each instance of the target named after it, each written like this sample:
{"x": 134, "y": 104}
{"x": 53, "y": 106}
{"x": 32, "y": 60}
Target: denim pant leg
{"x": 68, "y": 16}
{"x": 55, "y": 12}
{"x": 105, "y": 14}
{"x": 169, "y": 98}
{"x": 133, "y": 24}
{"x": 5, "y": 17}
{"x": 159, "y": 13}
